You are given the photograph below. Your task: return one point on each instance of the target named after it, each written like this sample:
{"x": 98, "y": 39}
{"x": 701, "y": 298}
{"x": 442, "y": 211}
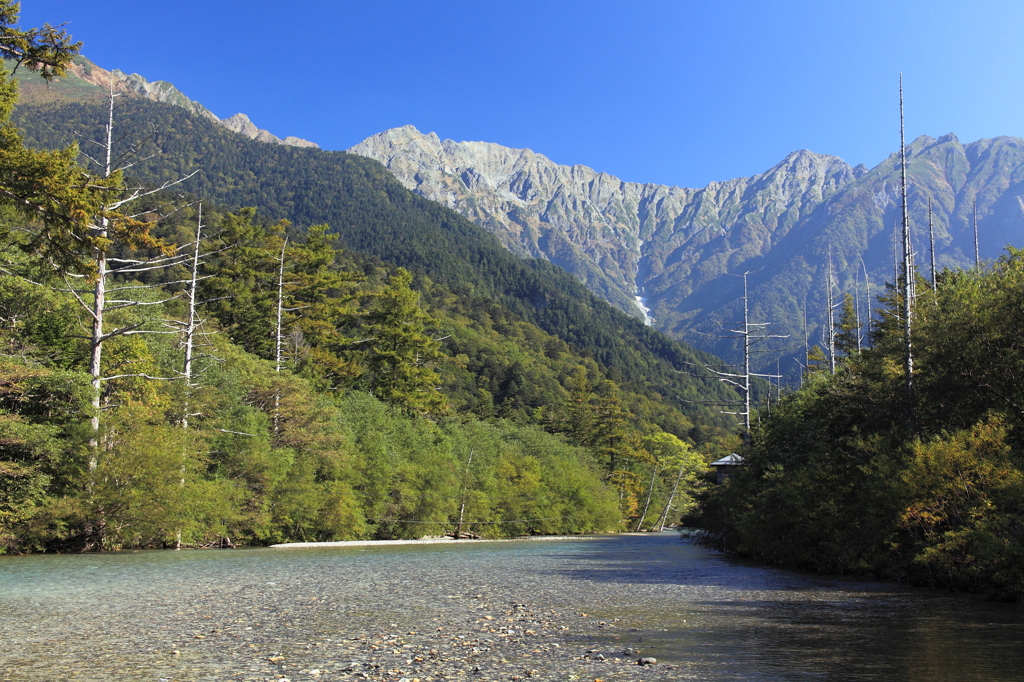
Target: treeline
{"x": 266, "y": 457}
{"x": 847, "y": 476}
{"x": 380, "y": 417}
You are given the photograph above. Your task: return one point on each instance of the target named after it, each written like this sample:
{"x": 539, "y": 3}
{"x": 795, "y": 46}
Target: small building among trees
{"x": 724, "y": 467}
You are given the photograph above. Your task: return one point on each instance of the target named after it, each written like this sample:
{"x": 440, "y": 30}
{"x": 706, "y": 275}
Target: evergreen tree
{"x": 400, "y": 356}
{"x": 816, "y": 360}
{"x": 320, "y": 299}
{"x": 48, "y": 188}
{"x": 240, "y": 283}
{"x": 848, "y": 336}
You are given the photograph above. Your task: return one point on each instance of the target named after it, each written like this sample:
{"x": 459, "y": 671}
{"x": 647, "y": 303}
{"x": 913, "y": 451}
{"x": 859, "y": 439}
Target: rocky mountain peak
{"x": 240, "y": 123}
{"x": 102, "y": 81}
{"x": 611, "y": 233}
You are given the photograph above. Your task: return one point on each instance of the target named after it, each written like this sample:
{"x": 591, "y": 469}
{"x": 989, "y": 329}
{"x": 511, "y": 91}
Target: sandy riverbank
{"x": 429, "y": 541}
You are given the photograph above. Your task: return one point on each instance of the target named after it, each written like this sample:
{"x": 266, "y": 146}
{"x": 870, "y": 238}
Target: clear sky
{"x": 678, "y": 92}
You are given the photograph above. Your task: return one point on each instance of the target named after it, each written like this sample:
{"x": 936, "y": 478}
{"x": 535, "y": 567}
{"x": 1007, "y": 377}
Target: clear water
{"x": 222, "y": 614}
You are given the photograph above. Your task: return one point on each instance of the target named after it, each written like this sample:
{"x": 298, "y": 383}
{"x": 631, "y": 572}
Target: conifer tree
{"x": 847, "y": 338}
{"x": 401, "y": 356}
{"x": 816, "y": 360}
{"x": 241, "y": 279}
{"x": 320, "y": 300}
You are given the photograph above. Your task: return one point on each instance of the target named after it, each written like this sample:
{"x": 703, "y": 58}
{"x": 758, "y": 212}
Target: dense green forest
{"x": 373, "y": 213}
{"x": 391, "y": 413}
{"x": 844, "y": 476}
{"x": 177, "y": 372}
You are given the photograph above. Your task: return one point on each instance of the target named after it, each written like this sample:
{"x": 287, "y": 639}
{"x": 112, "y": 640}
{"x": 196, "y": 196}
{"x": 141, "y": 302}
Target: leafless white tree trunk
{"x": 931, "y": 242}
{"x": 829, "y": 329}
{"x": 977, "y": 252}
{"x": 647, "y": 504}
{"x": 908, "y": 275}
{"x": 663, "y": 519}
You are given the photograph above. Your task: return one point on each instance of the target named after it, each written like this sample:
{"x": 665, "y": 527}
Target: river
{"x": 542, "y": 610}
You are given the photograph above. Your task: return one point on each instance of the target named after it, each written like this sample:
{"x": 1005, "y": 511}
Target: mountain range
{"x": 672, "y": 254}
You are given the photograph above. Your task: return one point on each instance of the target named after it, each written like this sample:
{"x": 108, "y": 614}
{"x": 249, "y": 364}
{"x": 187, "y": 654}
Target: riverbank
{"x": 433, "y": 541}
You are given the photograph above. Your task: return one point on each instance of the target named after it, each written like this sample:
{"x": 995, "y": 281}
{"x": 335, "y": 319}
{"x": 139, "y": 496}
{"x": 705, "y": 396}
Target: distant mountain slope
{"x": 857, "y": 226}
{"x": 678, "y": 248}
{"x": 375, "y": 214}
{"x": 87, "y": 82}
{"x": 620, "y": 238}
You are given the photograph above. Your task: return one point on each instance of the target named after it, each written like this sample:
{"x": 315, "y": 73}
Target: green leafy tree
{"x": 48, "y": 188}
{"x": 816, "y": 361}
{"x": 239, "y": 283}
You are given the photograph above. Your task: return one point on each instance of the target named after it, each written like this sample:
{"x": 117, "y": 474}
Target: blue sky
{"x": 679, "y": 92}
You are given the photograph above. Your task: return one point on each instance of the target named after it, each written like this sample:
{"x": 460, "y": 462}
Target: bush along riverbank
{"x": 847, "y": 475}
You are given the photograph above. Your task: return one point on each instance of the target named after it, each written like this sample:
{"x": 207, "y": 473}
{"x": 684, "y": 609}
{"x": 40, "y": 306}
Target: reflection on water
{"x": 715, "y": 618}
{"x": 730, "y": 619}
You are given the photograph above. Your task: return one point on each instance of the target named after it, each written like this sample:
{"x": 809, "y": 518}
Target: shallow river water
{"x": 567, "y": 609}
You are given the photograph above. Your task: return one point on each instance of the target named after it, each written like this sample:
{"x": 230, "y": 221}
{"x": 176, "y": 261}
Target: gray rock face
{"x": 241, "y": 124}
{"x": 674, "y": 251}
{"x": 162, "y": 91}
{"x": 617, "y": 237}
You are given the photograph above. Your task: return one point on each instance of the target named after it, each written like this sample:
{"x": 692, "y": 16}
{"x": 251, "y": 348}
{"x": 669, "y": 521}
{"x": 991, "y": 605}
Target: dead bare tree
{"x": 977, "y": 252}
{"x": 750, "y": 335}
{"x": 663, "y": 519}
{"x": 95, "y": 301}
{"x": 867, "y": 290}
{"x": 908, "y": 275}
{"x": 829, "y": 328}
{"x": 931, "y": 242}
{"x": 647, "y": 504}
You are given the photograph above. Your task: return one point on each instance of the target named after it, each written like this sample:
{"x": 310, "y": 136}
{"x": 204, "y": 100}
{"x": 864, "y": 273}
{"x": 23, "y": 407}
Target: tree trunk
{"x": 647, "y": 504}
{"x": 671, "y": 497}
{"x": 908, "y": 276}
{"x": 279, "y": 336}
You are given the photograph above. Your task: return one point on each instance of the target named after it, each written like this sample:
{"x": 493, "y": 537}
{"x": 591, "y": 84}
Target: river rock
{"x": 647, "y": 660}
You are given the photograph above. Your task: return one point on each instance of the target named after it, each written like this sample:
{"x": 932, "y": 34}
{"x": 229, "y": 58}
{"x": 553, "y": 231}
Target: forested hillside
{"x": 372, "y": 213}
{"x": 844, "y": 476}
{"x": 387, "y": 414}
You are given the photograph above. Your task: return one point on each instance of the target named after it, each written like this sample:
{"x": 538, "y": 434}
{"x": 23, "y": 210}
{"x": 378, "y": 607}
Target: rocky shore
{"x": 571, "y": 610}
{"x": 487, "y": 635}
{"x": 469, "y": 637}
